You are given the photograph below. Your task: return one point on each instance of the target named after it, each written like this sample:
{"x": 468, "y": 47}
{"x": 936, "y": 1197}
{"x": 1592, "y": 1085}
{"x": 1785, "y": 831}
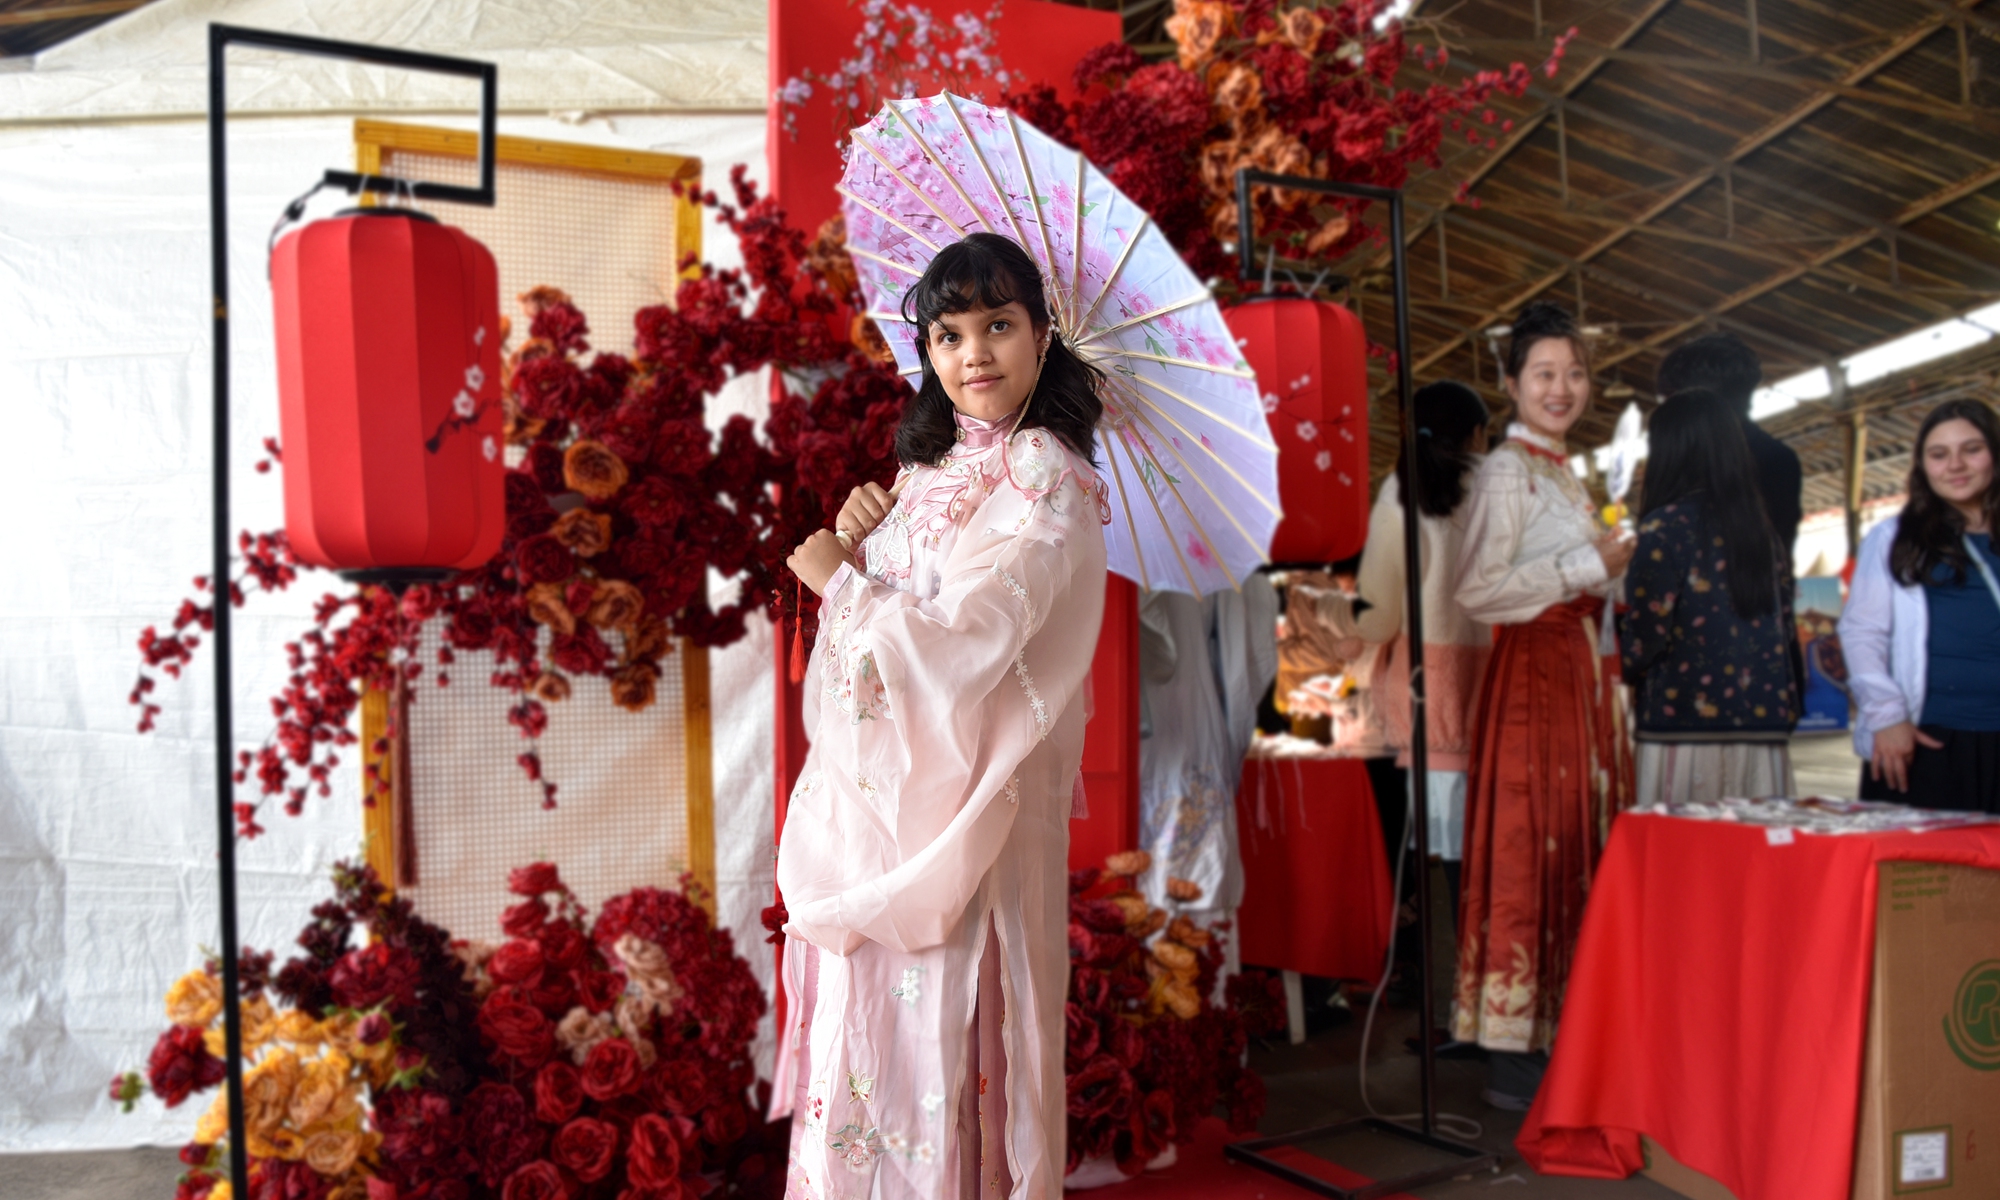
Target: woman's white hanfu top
{"x": 945, "y": 701}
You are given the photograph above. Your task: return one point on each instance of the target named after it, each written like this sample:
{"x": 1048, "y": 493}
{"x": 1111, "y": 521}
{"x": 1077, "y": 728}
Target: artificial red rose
{"x": 1126, "y": 1044}
{"x": 558, "y": 1093}
{"x": 500, "y": 1129}
{"x": 563, "y": 947}
{"x": 516, "y": 1028}
{"x": 181, "y": 1065}
{"x": 1152, "y": 1127}
{"x": 559, "y": 322}
{"x": 548, "y": 604}
{"x": 527, "y": 509}
{"x": 591, "y": 468}
{"x": 538, "y": 1180}
{"x": 653, "y": 1156}
{"x": 583, "y": 531}
{"x": 616, "y": 605}
{"x": 373, "y": 974}
{"x": 612, "y": 1069}
{"x": 543, "y": 559}
{"x": 581, "y": 652}
{"x": 471, "y": 627}
{"x": 585, "y": 1146}
{"x": 598, "y": 991}
{"x": 544, "y": 464}
{"x": 524, "y": 919}
{"x": 550, "y": 388}
{"x": 519, "y": 962}
{"x": 654, "y": 502}
{"x": 1102, "y": 1087}
{"x": 1081, "y": 1033}
{"x": 374, "y": 1029}
{"x": 633, "y": 687}
{"x": 535, "y": 879}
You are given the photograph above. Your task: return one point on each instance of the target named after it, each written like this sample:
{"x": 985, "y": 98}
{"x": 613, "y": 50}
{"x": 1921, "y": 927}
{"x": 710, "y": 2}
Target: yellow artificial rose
{"x": 194, "y": 1000}
{"x": 214, "y": 1124}
{"x": 221, "y": 1191}
{"x": 321, "y": 1086}
{"x": 279, "y": 1143}
{"x": 267, "y": 1090}
{"x": 300, "y": 1029}
{"x": 260, "y": 1024}
{"x": 334, "y": 1153}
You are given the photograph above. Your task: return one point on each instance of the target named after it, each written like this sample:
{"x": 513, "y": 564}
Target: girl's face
{"x": 1958, "y": 463}
{"x": 986, "y": 358}
{"x": 1552, "y": 389}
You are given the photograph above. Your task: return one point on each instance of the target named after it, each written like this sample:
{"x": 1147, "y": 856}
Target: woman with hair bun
{"x": 1550, "y": 764}
{"x": 924, "y": 859}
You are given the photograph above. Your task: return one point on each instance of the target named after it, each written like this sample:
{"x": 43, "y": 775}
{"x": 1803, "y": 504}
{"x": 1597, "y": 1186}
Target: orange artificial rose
{"x": 868, "y": 339}
{"x": 633, "y": 687}
{"x": 616, "y": 605}
{"x": 1328, "y": 235}
{"x": 1183, "y": 890}
{"x": 333, "y": 1154}
{"x": 549, "y": 604}
{"x": 1129, "y": 862}
{"x": 550, "y": 688}
{"x": 1240, "y": 96}
{"x": 591, "y": 468}
{"x": 194, "y": 1000}
{"x": 1300, "y": 29}
{"x": 647, "y": 640}
{"x": 828, "y": 255}
{"x": 535, "y": 299}
{"x": 583, "y": 531}
{"x": 1197, "y": 27}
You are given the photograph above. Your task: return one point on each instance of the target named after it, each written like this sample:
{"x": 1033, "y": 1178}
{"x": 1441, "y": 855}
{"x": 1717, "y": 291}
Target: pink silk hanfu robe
{"x": 924, "y": 856}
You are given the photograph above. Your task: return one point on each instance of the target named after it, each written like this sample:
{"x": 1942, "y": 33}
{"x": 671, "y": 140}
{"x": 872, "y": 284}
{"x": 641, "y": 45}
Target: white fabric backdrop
{"x": 107, "y": 836}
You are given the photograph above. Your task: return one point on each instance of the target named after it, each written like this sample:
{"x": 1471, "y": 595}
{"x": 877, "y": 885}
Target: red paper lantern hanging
{"x": 1311, "y": 360}
{"x": 388, "y": 332}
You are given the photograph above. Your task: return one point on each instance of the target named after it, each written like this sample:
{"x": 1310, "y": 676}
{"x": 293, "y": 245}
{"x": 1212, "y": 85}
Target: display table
{"x": 1316, "y": 884}
{"x": 1719, "y": 1003}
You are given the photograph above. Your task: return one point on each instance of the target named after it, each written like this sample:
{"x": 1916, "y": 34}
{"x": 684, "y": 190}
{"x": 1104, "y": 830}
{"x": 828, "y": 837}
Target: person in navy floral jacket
{"x": 1706, "y": 637}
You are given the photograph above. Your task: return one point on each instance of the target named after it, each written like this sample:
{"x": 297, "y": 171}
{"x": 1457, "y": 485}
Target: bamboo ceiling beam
{"x": 1985, "y": 177}
{"x": 1745, "y": 146}
{"x": 68, "y": 12}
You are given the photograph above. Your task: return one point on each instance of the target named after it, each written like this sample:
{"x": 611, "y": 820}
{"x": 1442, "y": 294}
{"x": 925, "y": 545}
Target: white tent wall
{"x": 107, "y": 836}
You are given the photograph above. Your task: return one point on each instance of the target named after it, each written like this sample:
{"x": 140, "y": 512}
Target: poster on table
{"x": 1818, "y": 612}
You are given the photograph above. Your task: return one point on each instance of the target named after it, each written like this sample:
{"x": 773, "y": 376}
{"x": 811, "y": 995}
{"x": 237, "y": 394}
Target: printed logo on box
{"x": 1972, "y": 1027}
{"x": 1923, "y": 1156}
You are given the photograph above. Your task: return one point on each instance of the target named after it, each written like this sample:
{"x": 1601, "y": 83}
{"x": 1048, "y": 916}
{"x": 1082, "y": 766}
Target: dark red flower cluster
{"x": 1297, "y": 91}
{"x": 1146, "y": 1055}
{"x": 622, "y": 505}
{"x": 573, "y": 1061}
{"x": 622, "y": 1047}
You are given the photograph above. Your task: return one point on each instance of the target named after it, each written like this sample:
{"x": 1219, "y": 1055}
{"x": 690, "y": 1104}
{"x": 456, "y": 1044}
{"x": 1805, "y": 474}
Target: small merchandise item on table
{"x": 1732, "y": 1004}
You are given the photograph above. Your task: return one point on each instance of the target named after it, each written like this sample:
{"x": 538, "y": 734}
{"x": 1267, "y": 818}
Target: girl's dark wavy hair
{"x": 987, "y": 270}
{"x": 1696, "y": 451}
{"x": 1448, "y": 414}
{"x": 1539, "y": 322}
{"x": 1927, "y": 536}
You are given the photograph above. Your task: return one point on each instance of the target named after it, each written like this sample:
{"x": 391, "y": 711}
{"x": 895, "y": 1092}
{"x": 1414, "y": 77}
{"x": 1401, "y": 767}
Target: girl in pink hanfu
{"x": 924, "y": 856}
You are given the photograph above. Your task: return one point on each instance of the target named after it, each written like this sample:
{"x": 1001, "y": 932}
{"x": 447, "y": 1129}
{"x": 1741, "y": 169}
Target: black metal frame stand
{"x": 1469, "y": 1158}
{"x": 220, "y": 38}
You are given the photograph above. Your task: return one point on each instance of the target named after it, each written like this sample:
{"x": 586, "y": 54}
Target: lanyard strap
{"x": 1978, "y": 560}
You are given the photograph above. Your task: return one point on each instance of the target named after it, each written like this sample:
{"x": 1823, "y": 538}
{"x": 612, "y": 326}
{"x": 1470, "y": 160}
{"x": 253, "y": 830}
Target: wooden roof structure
{"x": 1816, "y": 176}
{"x": 28, "y": 26}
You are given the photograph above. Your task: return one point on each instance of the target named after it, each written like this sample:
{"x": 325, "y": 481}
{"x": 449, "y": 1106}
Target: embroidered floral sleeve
{"x": 1662, "y": 566}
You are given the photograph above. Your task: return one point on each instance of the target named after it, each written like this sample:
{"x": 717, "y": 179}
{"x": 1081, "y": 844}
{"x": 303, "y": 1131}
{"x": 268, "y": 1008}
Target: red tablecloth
{"x": 1719, "y": 1002}
{"x": 1316, "y": 884}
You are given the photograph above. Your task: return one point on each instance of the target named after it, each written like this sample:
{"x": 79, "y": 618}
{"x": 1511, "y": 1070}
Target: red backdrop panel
{"x": 1111, "y": 740}
{"x": 1311, "y": 360}
{"x": 1036, "y": 42}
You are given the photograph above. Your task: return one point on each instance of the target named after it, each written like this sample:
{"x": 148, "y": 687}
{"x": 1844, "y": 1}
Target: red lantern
{"x": 1311, "y": 360}
{"x": 388, "y": 327}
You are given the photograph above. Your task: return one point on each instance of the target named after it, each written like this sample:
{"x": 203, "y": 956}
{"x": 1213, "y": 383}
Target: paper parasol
{"x": 1182, "y": 446}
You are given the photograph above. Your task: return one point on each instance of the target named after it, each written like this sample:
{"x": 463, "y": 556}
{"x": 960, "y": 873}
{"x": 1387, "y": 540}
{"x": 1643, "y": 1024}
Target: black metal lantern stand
{"x": 1465, "y": 1159}
{"x": 220, "y": 38}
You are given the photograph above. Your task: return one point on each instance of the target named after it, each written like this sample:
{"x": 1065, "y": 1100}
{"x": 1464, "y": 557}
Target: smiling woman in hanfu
{"x": 924, "y": 855}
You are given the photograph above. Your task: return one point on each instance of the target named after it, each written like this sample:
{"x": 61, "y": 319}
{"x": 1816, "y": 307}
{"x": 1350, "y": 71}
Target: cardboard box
{"x": 1930, "y": 1094}
{"x": 1662, "y": 1169}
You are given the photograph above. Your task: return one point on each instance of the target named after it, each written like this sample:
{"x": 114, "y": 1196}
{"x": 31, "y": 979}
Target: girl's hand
{"x": 867, "y": 506}
{"x": 1616, "y": 549}
{"x": 1895, "y": 746}
{"x": 817, "y": 558}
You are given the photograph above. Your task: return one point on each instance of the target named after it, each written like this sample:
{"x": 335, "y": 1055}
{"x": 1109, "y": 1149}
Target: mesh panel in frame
{"x": 621, "y": 817}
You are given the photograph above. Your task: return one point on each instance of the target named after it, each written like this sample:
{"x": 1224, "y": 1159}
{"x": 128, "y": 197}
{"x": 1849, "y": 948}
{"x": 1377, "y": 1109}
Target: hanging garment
{"x": 928, "y": 832}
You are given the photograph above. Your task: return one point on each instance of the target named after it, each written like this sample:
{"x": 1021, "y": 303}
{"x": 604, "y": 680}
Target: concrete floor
{"x": 1310, "y": 1084}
